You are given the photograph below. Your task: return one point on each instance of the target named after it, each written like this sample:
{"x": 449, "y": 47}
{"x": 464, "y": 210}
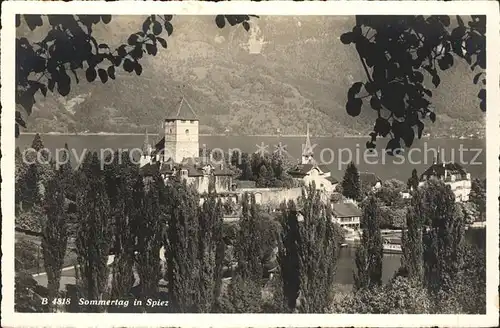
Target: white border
{"x": 10, "y": 8}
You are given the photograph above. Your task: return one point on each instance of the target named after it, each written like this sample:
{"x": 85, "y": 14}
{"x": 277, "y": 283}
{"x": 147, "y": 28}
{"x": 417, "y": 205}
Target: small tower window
{"x": 187, "y": 131}
{"x": 169, "y": 130}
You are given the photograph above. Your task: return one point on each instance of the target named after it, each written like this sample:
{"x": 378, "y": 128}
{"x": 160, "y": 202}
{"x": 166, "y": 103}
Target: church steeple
{"x": 307, "y": 150}
{"x": 146, "y": 151}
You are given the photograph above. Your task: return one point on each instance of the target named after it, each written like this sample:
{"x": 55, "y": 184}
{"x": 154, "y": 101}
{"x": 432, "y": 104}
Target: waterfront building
{"x": 453, "y": 175}
{"x": 347, "y": 215}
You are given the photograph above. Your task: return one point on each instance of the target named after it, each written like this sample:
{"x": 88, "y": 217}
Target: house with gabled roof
{"x": 453, "y": 175}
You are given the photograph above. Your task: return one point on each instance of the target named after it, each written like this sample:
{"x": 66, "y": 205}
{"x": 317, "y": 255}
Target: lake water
{"x": 334, "y": 152}
{"x": 391, "y": 262}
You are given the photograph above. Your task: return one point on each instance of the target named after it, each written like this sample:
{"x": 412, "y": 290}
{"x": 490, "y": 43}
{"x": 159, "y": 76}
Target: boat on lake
{"x": 392, "y": 246}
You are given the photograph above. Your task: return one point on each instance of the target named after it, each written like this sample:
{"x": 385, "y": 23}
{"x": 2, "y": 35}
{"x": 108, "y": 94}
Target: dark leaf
{"x": 420, "y": 128}
{"x": 445, "y": 20}
{"x": 354, "y": 90}
{"x": 427, "y": 92}
{"x": 103, "y": 46}
{"x": 168, "y": 18}
{"x": 169, "y": 28}
{"x": 128, "y": 65}
{"x": 43, "y": 89}
{"x": 482, "y": 94}
{"x": 408, "y": 135}
{"x": 432, "y": 116}
{"x": 157, "y": 28}
{"x": 375, "y": 103}
{"x": 162, "y": 41}
{"x": 347, "y": 38}
{"x": 122, "y": 50}
{"x": 33, "y": 21}
{"x": 418, "y": 77}
{"x": 51, "y": 84}
{"x": 460, "y": 21}
{"x": 90, "y": 74}
{"x": 246, "y": 26}
{"x": 64, "y": 84}
{"x": 151, "y": 49}
{"x": 138, "y": 68}
{"x": 16, "y": 131}
{"x": 146, "y": 24}
{"x": 370, "y": 145}
{"x": 436, "y": 80}
{"x": 220, "y": 21}
{"x": 102, "y": 75}
{"x": 18, "y": 20}
{"x": 20, "y": 120}
{"x": 132, "y": 40}
{"x": 106, "y": 18}
{"x": 446, "y": 61}
{"x": 476, "y": 77}
{"x": 353, "y": 106}
{"x": 111, "y": 72}
{"x": 482, "y": 105}
{"x": 393, "y": 146}
{"x": 382, "y": 126}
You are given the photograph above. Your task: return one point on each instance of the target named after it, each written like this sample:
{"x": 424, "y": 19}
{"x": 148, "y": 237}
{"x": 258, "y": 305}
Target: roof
{"x": 332, "y": 180}
{"x": 324, "y": 168}
{"x": 369, "y": 178}
{"x": 149, "y": 169}
{"x": 345, "y": 210}
{"x": 194, "y": 166}
{"x": 438, "y": 170}
{"x": 183, "y": 111}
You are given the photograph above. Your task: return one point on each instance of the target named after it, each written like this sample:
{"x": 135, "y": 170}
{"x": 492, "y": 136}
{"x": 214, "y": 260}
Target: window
{"x": 170, "y": 130}
{"x": 187, "y": 131}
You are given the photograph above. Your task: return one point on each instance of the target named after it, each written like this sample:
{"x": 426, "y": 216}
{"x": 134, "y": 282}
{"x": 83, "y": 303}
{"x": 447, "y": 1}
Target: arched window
{"x": 187, "y": 131}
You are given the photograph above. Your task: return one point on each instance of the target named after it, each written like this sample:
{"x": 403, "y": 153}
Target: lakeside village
{"x": 266, "y": 184}
{"x": 177, "y": 153}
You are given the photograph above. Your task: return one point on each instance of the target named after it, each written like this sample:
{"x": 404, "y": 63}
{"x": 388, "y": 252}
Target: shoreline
{"x": 224, "y": 135}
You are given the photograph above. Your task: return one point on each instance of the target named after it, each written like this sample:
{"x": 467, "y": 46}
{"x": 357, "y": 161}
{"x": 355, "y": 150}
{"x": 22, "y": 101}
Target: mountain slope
{"x": 284, "y": 72}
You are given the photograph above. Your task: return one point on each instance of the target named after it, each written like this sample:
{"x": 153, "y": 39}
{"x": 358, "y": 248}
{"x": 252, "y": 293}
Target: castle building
{"x": 177, "y": 154}
{"x": 453, "y": 175}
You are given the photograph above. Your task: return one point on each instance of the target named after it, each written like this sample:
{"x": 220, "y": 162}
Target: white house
{"x": 347, "y": 215}
{"x": 452, "y": 174}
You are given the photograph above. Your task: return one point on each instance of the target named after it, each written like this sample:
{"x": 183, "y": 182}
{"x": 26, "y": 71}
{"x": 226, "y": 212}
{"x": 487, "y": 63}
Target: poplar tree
{"x": 93, "y": 239}
{"x": 351, "y": 185}
{"x": 54, "y": 235}
{"x": 443, "y": 240}
{"x": 210, "y": 256}
{"x": 249, "y": 248}
{"x": 411, "y": 241}
{"x": 413, "y": 181}
{"x": 311, "y": 248}
{"x": 150, "y": 239}
{"x": 182, "y": 248}
{"x": 369, "y": 253}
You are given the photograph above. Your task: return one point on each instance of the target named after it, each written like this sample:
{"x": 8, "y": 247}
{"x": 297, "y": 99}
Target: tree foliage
{"x": 55, "y": 234}
{"x": 369, "y": 253}
{"x": 93, "y": 241}
{"x": 413, "y": 181}
{"x": 444, "y": 237}
{"x": 411, "y": 243}
{"x": 398, "y": 55}
{"x": 308, "y": 253}
{"x": 351, "y": 185}
{"x": 478, "y": 196}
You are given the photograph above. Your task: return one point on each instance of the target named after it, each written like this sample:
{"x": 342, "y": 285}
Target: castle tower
{"x": 146, "y": 151}
{"x": 307, "y": 150}
{"x": 181, "y": 134}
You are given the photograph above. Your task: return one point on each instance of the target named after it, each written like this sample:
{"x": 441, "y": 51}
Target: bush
{"x": 27, "y": 255}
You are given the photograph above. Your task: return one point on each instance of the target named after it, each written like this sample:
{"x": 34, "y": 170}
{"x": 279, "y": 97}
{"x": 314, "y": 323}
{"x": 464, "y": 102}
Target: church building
{"x": 178, "y": 153}
{"x": 308, "y": 170}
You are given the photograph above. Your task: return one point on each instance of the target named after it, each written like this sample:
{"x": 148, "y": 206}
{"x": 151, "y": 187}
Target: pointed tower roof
{"x": 183, "y": 111}
{"x": 307, "y": 146}
{"x": 146, "y": 147}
